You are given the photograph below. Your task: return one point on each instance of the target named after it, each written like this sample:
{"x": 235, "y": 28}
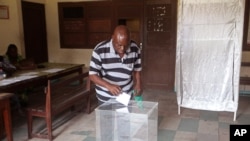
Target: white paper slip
{"x": 122, "y": 110}
{"x": 123, "y": 98}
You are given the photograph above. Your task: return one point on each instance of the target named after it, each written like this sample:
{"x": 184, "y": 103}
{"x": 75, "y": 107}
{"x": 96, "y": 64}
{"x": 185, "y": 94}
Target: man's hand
{"x": 137, "y": 92}
{"x": 114, "y": 89}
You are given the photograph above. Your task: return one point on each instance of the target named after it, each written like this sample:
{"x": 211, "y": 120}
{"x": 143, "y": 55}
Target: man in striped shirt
{"x": 115, "y": 66}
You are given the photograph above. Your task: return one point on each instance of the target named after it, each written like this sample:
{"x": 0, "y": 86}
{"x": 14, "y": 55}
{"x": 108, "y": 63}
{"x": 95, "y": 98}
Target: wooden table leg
{"x": 5, "y": 111}
{"x": 7, "y": 120}
{"x": 1, "y": 125}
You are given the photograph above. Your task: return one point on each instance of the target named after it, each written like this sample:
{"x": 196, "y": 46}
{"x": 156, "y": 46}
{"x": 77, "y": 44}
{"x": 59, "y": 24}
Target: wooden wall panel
{"x": 99, "y": 25}
{"x": 96, "y": 21}
{"x": 74, "y": 40}
{"x": 95, "y": 38}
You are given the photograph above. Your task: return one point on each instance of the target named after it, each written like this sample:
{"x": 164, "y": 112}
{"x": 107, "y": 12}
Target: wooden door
{"x": 130, "y": 14}
{"x": 34, "y": 26}
{"x": 159, "y": 47}
{"x": 246, "y": 45}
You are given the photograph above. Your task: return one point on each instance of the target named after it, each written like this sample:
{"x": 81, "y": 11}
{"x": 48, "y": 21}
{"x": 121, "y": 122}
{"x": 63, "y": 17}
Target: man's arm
{"x": 114, "y": 89}
{"x": 137, "y": 83}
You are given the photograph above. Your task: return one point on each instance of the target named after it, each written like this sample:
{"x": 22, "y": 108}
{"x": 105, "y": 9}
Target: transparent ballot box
{"x": 135, "y": 122}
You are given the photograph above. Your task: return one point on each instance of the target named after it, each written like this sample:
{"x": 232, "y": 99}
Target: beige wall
{"x": 11, "y": 31}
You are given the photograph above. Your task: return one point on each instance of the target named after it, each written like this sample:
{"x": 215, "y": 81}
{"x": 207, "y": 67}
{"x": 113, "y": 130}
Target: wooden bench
{"x": 60, "y": 96}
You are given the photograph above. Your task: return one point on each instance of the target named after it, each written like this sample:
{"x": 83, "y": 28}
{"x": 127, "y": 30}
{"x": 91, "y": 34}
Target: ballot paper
{"x": 122, "y": 110}
{"x": 123, "y": 98}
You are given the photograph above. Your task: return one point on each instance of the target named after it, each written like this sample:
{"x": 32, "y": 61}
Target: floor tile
{"x": 207, "y": 137}
{"x": 185, "y": 136}
{"x": 171, "y": 123}
{"x": 188, "y": 124}
{"x": 166, "y": 135}
{"x": 208, "y": 127}
{"x": 224, "y": 125}
{"x": 227, "y": 117}
{"x": 209, "y": 115}
{"x": 224, "y": 133}
{"x": 190, "y": 113}
{"x": 243, "y": 119}
{"x": 90, "y": 139}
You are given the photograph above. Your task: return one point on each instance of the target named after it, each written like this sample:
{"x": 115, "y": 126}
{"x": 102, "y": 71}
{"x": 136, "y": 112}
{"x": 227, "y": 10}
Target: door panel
{"x": 130, "y": 14}
{"x": 34, "y": 26}
{"x": 159, "y": 48}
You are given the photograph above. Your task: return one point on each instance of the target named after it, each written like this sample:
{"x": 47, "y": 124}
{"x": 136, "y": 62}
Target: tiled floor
{"x": 190, "y": 125}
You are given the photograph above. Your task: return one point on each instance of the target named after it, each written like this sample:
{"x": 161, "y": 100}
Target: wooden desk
{"x": 38, "y": 77}
{"x": 21, "y": 80}
{"x": 5, "y": 112}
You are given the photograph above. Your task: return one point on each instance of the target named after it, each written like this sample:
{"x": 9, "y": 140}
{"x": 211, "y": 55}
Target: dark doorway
{"x": 34, "y": 26}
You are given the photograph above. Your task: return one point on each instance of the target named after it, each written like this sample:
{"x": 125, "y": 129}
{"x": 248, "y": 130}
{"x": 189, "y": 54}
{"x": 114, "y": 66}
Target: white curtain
{"x": 209, "y": 46}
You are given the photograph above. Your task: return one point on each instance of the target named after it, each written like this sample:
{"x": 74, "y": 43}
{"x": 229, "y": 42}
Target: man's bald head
{"x": 121, "y": 39}
{"x": 121, "y": 31}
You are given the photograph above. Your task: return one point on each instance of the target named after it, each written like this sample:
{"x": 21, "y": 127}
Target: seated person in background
{"x": 6, "y": 67}
{"x": 17, "y": 60}
{"x": 14, "y": 61}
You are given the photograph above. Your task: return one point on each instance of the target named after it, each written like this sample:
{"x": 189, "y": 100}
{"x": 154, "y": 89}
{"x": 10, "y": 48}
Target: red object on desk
{"x": 5, "y": 111}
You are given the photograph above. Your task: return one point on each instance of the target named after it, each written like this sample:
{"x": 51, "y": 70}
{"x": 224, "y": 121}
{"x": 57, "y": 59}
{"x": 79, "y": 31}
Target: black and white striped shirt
{"x": 106, "y": 63}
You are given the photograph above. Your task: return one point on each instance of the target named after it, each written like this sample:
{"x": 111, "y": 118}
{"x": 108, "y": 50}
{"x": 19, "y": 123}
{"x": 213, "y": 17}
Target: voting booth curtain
{"x": 208, "y": 57}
